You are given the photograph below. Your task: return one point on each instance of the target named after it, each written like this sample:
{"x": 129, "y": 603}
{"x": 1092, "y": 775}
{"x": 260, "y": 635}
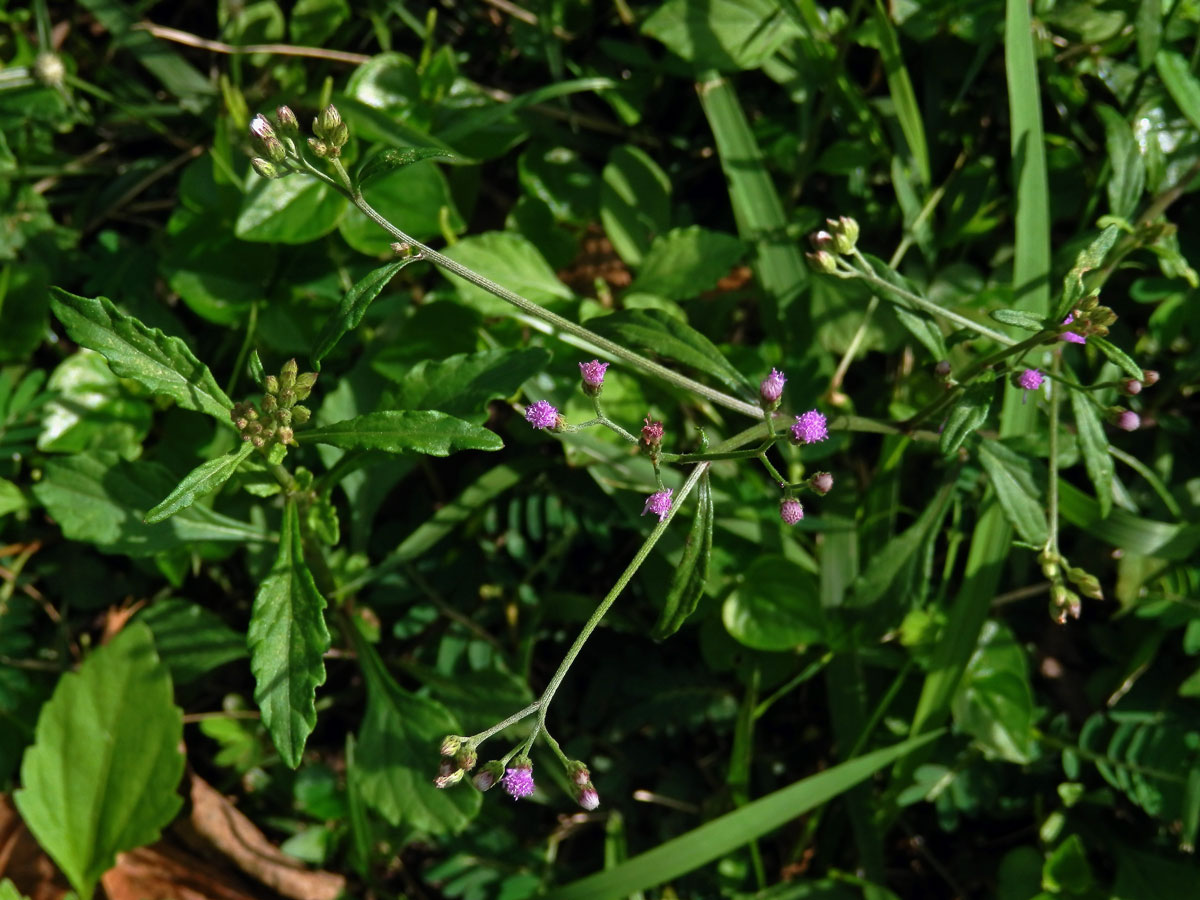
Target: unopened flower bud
{"x": 790, "y": 510}
{"x": 268, "y": 403}
{"x": 306, "y": 380}
{"x": 578, "y": 773}
{"x": 288, "y": 124}
{"x": 286, "y": 436}
{"x": 1149, "y": 377}
{"x": 1064, "y": 604}
{"x": 822, "y": 240}
{"x": 942, "y": 369}
{"x": 287, "y": 397}
{"x": 274, "y": 149}
{"x": 1125, "y": 419}
{"x": 822, "y": 261}
{"x": 258, "y": 441}
{"x": 282, "y": 416}
{"x": 845, "y": 233}
{"x": 287, "y": 374}
{"x": 445, "y": 781}
{"x": 327, "y": 122}
{"x": 486, "y": 778}
{"x": 260, "y": 128}
{"x": 319, "y": 148}
{"x": 265, "y": 168}
{"x": 271, "y": 384}
{"x": 821, "y": 482}
{"x": 338, "y": 137}
{"x": 300, "y": 414}
{"x": 1131, "y": 387}
{"x": 771, "y": 389}
{"x": 466, "y": 757}
{"x": 586, "y": 796}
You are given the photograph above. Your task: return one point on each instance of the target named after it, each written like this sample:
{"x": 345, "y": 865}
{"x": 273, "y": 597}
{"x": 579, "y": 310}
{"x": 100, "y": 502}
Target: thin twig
{"x": 192, "y": 40}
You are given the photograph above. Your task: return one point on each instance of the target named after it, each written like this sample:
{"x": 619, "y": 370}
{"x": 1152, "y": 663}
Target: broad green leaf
{"x": 721, "y": 34}
{"x": 966, "y": 415}
{"x": 296, "y": 209}
{"x": 775, "y": 607}
{"x": 686, "y": 262}
{"x": 663, "y": 335}
{"x": 562, "y": 180}
{"x": 390, "y": 160}
{"x": 101, "y": 775}
{"x": 397, "y": 753}
{"x": 1012, "y": 477}
{"x": 1180, "y": 82}
{"x": 1117, "y": 356}
{"x": 1135, "y": 534}
{"x": 200, "y": 482}
{"x": 191, "y": 641}
{"x": 162, "y": 364}
{"x": 91, "y": 409}
{"x": 635, "y": 202}
{"x": 287, "y": 641}
{"x": 403, "y": 430}
{"x": 994, "y": 701}
{"x": 416, "y": 197}
{"x": 723, "y": 835}
{"x": 462, "y": 384}
{"x": 1018, "y": 319}
{"x": 691, "y": 572}
{"x": 1091, "y": 257}
{"x": 508, "y": 259}
{"x": 353, "y": 307}
{"x": 1128, "y": 178}
{"x": 100, "y": 498}
{"x": 1094, "y": 445}
{"x": 1149, "y": 27}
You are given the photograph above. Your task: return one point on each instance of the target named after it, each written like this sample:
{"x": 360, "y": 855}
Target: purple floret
{"x": 810, "y": 428}
{"x": 541, "y": 415}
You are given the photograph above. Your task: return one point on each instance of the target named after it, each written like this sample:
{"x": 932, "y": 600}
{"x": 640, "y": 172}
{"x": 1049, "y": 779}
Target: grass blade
{"x": 901, "y": 89}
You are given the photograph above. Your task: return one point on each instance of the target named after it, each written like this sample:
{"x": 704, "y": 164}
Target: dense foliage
{"x": 866, "y": 568}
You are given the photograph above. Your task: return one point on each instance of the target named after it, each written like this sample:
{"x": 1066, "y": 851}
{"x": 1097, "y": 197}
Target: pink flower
{"x": 1070, "y": 336}
{"x": 587, "y": 797}
{"x": 658, "y": 503}
{"x": 771, "y": 388}
{"x": 809, "y": 428}
{"x": 592, "y": 373}
{"x": 822, "y": 482}
{"x": 790, "y": 511}
{"x": 518, "y": 781}
{"x": 652, "y": 433}
{"x": 1127, "y": 420}
{"x": 1030, "y": 380}
{"x": 541, "y": 415}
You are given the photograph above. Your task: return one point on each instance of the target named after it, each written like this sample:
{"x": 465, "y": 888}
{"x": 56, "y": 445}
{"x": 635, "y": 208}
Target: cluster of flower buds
{"x": 581, "y": 782}
{"x": 839, "y": 237}
{"x": 1087, "y": 319}
{"x": 516, "y": 778}
{"x": 458, "y": 758}
{"x": 272, "y": 424}
{"x": 276, "y": 144}
{"x": 1065, "y": 602}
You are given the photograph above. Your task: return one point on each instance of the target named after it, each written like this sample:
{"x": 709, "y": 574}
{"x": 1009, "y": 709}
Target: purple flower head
{"x": 1030, "y": 380}
{"x": 541, "y": 415}
{"x": 771, "y": 388}
{"x": 587, "y": 797}
{"x": 1131, "y": 387}
{"x": 652, "y": 433}
{"x": 658, "y": 503}
{"x": 790, "y": 510}
{"x": 518, "y": 781}
{"x": 1127, "y": 420}
{"x": 592, "y": 374}
{"x": 809, "y": 428}
{"x": 1070, "y": 336}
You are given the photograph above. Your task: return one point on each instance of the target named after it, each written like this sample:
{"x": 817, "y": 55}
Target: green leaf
{"x": 11, "y": 498}
{"x": 1013, "y": 479}
{"x": 91, "y": 409}
{"x": 1091, "y": 257}
{"x": 919, "y": 323}
{"x": 994, "y": 701}
{"x": 1094, "y": 445}
{"x": 725, "y": 834}
{"x": 966, "y": 415}
{"x": 312, "y": 21}
{"x": 686, "y": 262}
{"x": 691, "y": 572}
{"x": 1135, "y": 534}
{"x": 402, "y": 430}
{"x": 721, "y": 34}
{"x": 1181, "y": 84}
{"x": 635, "y": 202}
{"x": 776, "y": 606}
{"x": 462, "y": 384}
{"x": 99, "y": 498}
{"x": 1128, "y": 178}
{"x": 287, "y": 641}
{"x": 101, "y": 775}
{"x": 296, "y": 209}
{"x": 1067, "y": 870}
{"x": 200, "y": 482}
{"x": 255, "y": 367}
{"x": 164, "y": 365}
{"x": 400, "y": 734}
{"x": 1118, "y": 356}
{"x": 1149, "y": 29}
{"x": 904, "y": 99}
{"x": 1018, "y": 319}
{"x": 354, "y": 306}
{"x": 8, "y": 891}
{"x": 391, "y": 160}
{"x": 508, "y": 259}
{"x": 663, "y": 335}
{"x": 191, "y": 641}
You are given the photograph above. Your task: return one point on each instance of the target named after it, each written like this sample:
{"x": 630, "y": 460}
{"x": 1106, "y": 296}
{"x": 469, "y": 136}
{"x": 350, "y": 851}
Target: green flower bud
{"x": 450, "y": 744}
{"x": 326, "y": 124}
{"x": 264, "y": 168}
{"x": 287, "y": 375}
{"x": 258, "y": 441}
{"x": 283, "y": 416}
{"x": 285, "y": 436}
{"x": 300, "y": 414}
{"x": 269, "y": 403}
{"x": 274, "y": 149}
{"x": 319, "y": 148}
{"x": 287, "y": 398}
{"x": 271, "y": 384}
{"x": 466, "y": 758}
{"x": 822, "y": 261}
{"x": 445, "y": 781}
{"x": 845, "y": 233}
{"x": 288, "y": 125}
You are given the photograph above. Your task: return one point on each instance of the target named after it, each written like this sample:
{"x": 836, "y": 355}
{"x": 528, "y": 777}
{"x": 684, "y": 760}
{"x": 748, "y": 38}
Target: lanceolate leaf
{"x": 1094, "y": 445}
{"x": 666, "y": 336}
{"x": 200, "y": 482}
{"x": 288, "y": 640}
{"x": 463, "y": 383}
{"x": 163, "y": 364}
{"x": 1018, "y": 319}
{"x": 390, "y": 160}
{"x": 1117, "y": 356}
{"x": 100, "y": 498}
{"x": 100, "y": 777}
{"x": 354, "y": 306}
{"x": 966, "y": 415}
{"x": 393, "y": 754}
{"x": 401, "y": 430}
{"x": 1012, "y": 477}
{"x": 687, "y": 585}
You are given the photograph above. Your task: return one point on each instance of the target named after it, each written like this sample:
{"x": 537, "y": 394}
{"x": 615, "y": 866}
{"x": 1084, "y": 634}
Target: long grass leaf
{"x": 903, "y": 96}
